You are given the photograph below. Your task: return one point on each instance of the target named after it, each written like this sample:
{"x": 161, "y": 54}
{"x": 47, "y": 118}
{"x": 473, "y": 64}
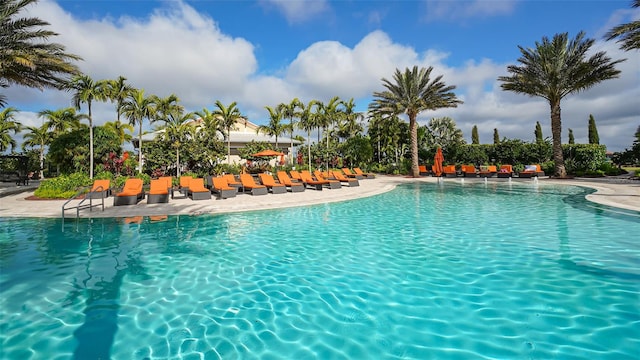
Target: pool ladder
{"x": 82, "y": 205}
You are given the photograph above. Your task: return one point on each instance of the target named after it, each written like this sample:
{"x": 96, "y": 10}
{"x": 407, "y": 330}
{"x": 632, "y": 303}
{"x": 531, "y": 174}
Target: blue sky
{"x": 266, "y": 52}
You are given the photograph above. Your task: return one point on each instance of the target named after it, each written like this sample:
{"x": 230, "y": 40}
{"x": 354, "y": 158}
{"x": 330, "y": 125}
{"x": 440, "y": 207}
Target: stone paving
{"x": 618, "y": 192}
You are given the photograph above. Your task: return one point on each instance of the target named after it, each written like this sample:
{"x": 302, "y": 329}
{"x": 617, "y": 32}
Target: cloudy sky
{"x": 266, "y": 52}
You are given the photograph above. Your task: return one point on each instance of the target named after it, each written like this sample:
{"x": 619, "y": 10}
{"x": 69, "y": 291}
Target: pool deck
{"x": 617, "y": 192}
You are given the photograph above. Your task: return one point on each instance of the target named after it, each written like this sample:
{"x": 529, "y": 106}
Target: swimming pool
{"x": 426, "y": 271}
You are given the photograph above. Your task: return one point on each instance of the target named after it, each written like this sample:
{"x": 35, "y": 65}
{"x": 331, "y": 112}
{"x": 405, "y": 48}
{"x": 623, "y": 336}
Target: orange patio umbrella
{"x": 267, "y": 153}
{"x": 437, "y": 162}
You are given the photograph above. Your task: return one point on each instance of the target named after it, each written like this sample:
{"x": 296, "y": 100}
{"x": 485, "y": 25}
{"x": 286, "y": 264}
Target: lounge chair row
{"x": 225, "y": 186}
{"x": 505, "y": 171}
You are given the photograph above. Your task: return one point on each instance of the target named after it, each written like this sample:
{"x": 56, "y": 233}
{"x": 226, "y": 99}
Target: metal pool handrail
{"x": 82, "y": 205}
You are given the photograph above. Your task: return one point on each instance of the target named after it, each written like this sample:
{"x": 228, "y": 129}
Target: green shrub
{"x": 62, "y": 187}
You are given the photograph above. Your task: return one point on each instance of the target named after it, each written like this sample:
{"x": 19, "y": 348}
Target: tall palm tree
{"x": 8, "y": 124}
{"x": 87, "y": 90}
{"x": 275, "y": 127}
{"x": 62, "y": 120}
{"x": 117, "y": 91}
{"x": 137, "y": 107}
{"x": 350, "y": 124}
{"x": 291, "y": 112}
{"x": 166, "y": 107}
{"x": 228, "y": 116}
{"x": 28, "y": 57}
{"x": 628, "y": 34}
{"x": 554, "y": 69}
{"x": 306, "y": 123}
{"x": 40, "y": 137}
{"x": 411, "y": 93}
{"x": 176, "y": 130}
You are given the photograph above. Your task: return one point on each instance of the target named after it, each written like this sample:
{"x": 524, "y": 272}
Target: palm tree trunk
{"x": 556, "y": 131}
{"x": 291, "y": 148}
{"x": 229, "y": 146}
{"x": 413, "y": 129}
{"x": 41, "y": 172}
{"x": 309, "y": 147}
{"x": 90, "y": 142}
{"x": 140, "y": 148}
{"x": 178, "y": 162}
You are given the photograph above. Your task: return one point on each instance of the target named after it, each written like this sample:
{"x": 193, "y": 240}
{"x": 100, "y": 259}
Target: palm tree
{"x": 411, "y": 93}
{"x": 166, "y": 107}
{"x": 116, "y": 91}
{"x": 350, "y": 125}
{"x": 290, "y": 111}
{"x": 120, "y": 129}
{"x": 136, "y": 107}
{"x": 228, "y": 116}
{"x": 87, "y": 90}
{"x": 40, "y": 137}
{"x": 275, "y": 127}
{"x": 627, "y": 34}
{"x": 444, "y": 133}
{"x": 555, "y": 69}
{"x": 176, "y": 126}
{"x": 62, "y": 120}
{"x": 308, "y": 121}
{"x": 210, "y": 123}
{"x": 28, "y": 58}
{"x": 8, "y": 124}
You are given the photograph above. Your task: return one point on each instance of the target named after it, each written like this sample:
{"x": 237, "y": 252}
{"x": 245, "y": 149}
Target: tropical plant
{"x": 349, "y": 124}
{"x": 307, "y": 123}
{"x": 444, "y": 133}
{"x": 475, "y": 139}
{"x": 117, "y": 91}
{"x": 62, "y": 120}
{"x": 411, "y": 93}
{"x": 628, "y": 34}
{"x": 136, "y": 107}
{"x": 28, "y": 57}
{"x": 87, "y": 90}
{"x": 8, "y": 124}
{"x": 554, "y": 69}
{"x": 120, "y": 129}
{"x": 228, "y": 116}
{"x": 572, "y": 140}
{"x": 291, "y": 111}
{"x": 68, "y": 151}
{"x": 594, "y": 138}
{"x": 38, "y": 137}
{"x": 537, "y": 133}
{"x": 275, "y": 127}
{"x": 177, "y": 130}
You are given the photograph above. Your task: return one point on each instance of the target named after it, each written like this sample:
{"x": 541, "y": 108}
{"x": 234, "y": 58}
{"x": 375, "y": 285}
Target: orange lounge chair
{"x": 358, "y": 171}
{"x": 333, "y": 184}
{"x": 169, "y": 181}
{"x": 100, "y": 189}
{"x": 295, "y": 175}
{"x": 183, "y": 186}
{"x": 222, "y": 189}
{"x": 506, "y": 171}
{"x": 336, "y": 174}
{"x": 488, "y": 171}
{"x": 422, "y": 169}
{"x": 286, "y": 181}
{"x": 348, "y": 173}
{"x": 268, "y": 181}
{"x": 531, "y": 171}
{"x": 249, "y": 184}
{"x": 469, "y": 171}
{"x": 232, "y": 181}
{"x": 158, "y": 192}
{"x": 131, "y": 193}
{"x": 306, "y": 178}
{"x": 449, "y": 171}
{"x": 197, "y": 190}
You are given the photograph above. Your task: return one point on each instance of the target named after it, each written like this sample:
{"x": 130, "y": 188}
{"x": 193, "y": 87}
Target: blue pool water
{"x": 427, "y": 271}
